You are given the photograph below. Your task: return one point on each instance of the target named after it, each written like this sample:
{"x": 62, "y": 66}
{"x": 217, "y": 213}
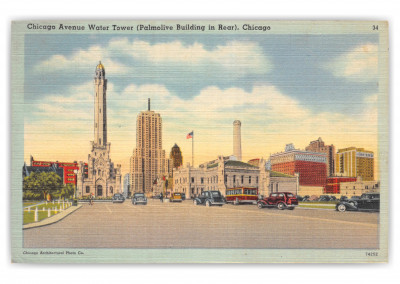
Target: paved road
{"x": 183, "y": 225}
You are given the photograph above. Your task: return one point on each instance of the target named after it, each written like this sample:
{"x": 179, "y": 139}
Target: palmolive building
{"x": 310, "y": 166}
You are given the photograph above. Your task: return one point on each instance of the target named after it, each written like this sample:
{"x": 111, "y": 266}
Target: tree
{"x": 43, "y": 183}
{"x": 67, "y": 191}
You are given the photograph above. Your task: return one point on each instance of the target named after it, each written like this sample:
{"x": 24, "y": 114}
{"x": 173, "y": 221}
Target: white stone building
{"x": 225, "y": 173}
{"x": 103, "y": 178}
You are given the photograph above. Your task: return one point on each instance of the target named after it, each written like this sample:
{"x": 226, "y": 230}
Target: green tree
{"x": 67, "y": 191}
{"x": 43, "y": 183}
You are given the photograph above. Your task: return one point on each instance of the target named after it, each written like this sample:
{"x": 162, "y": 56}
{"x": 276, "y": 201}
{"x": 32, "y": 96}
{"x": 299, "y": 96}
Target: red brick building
{"x": 68, "y": 169}
{"x": 333, "y": 184}
{"x": 310, "y": 166}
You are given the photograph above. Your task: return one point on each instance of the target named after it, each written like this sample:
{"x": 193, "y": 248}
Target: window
{"x": 202, "y": 180}
{"x": 111, "y": 189}
{"x": 192, "y": 179}
{"x": 87, "y": 189}
{"x": 256, "y": 179}
{"x": 242, "y": 179}
{"x": 234, "y": 179}
{"x": 249, "y": 179}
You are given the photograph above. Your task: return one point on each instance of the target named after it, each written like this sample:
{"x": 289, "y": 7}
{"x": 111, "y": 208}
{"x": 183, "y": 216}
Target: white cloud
{"x": 243, "y": 56}
{"x": 82, "y": 59}
{"x": 359, "y": 64}
{"x": 236, "y": 57}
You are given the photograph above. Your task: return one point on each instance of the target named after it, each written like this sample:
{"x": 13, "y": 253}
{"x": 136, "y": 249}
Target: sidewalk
{"x": 53, "y": 219}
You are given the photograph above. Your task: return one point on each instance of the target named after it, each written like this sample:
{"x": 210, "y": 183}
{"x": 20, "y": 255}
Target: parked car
{"x": 343, "y": 198}
{"x": 367, "y": 202}
{"x": 175, "y": 197}
{"x": 118, "y": 197}
{"x": 139, "y": 198}
{"x": 324, "y": 198}
{"x": 299, "y": 198}
{"x": 280, "y": 200}
{"x": 183, "y": 196}
{"x": 306, "y": 198}
{"x": 353, "y": 200}
{"x": 209, "y": 198}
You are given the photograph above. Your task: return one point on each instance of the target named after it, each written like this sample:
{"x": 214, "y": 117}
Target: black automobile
{"x": 353, "y": 200}
{"x": 139, "y": 198}
{"x": 118, "y": 198}
{"x": 343, "y": 198}
{"x": 367, "y": 202}
{"x": 209, "y": 198}
{"x": 324, "y": 198}
{"x": 183, "y": 196}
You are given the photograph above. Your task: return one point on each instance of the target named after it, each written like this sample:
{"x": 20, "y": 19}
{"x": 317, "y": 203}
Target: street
{"x": 183, "y": 225}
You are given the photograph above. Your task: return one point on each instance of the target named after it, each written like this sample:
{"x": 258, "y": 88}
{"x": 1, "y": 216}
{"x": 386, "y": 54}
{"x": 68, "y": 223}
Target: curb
{"x": 52, "y": 219}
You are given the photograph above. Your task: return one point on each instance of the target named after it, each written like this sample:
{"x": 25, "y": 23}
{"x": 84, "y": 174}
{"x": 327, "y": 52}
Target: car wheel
{"x": 195, "y": 202}
{"x": 281, "y": 206}
{"x": 260, "y": 205}
{"x": 208, "y": 203}
{"x": 341, "y": 208}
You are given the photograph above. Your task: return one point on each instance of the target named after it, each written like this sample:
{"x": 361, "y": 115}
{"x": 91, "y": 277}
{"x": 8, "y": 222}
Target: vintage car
{"x": 118, "y": 197}
{"x": 367, "y": 202}
{"x": 280, "y": 200}
{"x": 139, "y": 198}
{"x": 175, "y": 197}
{"x": 209, "y": 198}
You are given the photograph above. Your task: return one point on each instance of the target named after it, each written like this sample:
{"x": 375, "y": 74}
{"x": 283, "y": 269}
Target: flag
{"x": 189, "y": 135}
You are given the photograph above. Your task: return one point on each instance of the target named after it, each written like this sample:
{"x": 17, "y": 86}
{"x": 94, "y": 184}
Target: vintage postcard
{"x": 199, "y": 141}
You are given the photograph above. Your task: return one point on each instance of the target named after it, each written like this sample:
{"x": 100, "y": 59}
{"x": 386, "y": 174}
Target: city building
{"x": 355, "y": 162}
{"x": 66, "y": 169}
{"x": 148, "y": 161}
{"x": 226, "y": 173}
{"x": 311, "y": 166}
{"x": 237, "y": 140}
{"x": 358, "y": 187}
{"x": 333, "y": 184}
{"x": 271, "y": 181}
{"x": 320, "y": 147}
{"x": 126, "y": 186}
{"x": 176, "y": 156}
{"x": 103, "y": 179}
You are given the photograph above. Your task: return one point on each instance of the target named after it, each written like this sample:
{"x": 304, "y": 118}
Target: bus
{"x": 240, "y": 195}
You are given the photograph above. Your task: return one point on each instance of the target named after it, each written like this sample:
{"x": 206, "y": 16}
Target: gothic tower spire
{"x": 100, "y": 106}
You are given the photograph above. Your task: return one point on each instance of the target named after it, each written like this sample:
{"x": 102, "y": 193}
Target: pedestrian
{"x": 161, "y": 197}
{"x": 91, "y": 198}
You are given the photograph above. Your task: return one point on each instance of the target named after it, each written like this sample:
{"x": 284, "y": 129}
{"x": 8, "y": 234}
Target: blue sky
{"x": 203, "y": 82}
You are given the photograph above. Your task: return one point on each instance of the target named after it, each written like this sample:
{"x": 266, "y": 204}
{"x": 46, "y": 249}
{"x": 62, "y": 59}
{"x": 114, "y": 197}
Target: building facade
{"x": 355, "y": 162}
{"x": 176, "y": 156}
{"x": 310, "y": 166}
{"x": 148, "y": 161}
{"x": 359, "y": 187}
{"x": 320, "y": 147}
{"x": 126, "y": 186}
{"x": 333, "y": 184}
{"x": 226, "y": 173}
{"x": 67, "y": 169}
{"x": 102, "y": 178}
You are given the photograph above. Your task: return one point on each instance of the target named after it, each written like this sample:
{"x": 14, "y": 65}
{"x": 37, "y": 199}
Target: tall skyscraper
{"x": 355, "y": 162}
{"x": 101, "y": 179}
{"x": 148, "y": 162}
{"x": 320, "y": 147}
{"x": 176, "y": 156}
{"x": 237, "y": 140}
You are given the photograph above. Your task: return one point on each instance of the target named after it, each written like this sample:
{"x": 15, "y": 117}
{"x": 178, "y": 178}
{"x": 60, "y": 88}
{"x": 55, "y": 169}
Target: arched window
{"x": 111, "y": 189}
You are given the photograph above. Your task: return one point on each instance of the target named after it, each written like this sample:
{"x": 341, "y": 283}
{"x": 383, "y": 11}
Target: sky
{"x": 283, "y": 88}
